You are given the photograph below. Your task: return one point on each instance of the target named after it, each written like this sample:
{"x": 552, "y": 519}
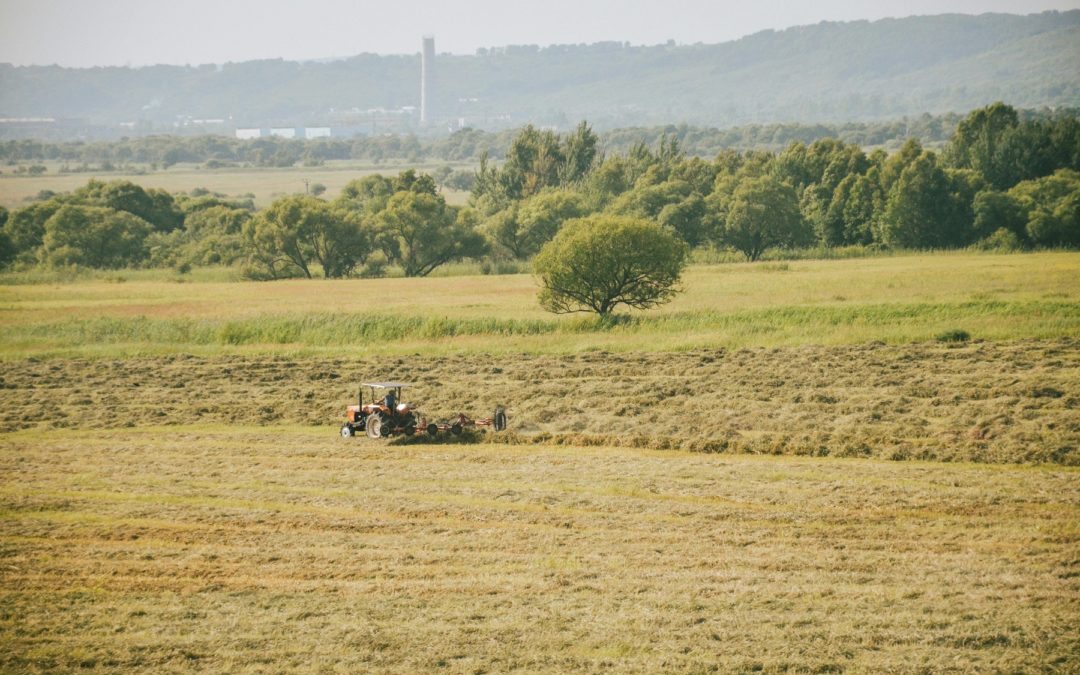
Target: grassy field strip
{"x": 808, "y": 302}
{"x": 253, "y": 548}
{"x": 328, "y": 334}
{"x": 979, "y": 401}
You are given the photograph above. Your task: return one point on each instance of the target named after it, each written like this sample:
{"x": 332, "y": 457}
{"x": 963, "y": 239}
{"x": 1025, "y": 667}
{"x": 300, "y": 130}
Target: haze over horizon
{"x": 134, "y": 33}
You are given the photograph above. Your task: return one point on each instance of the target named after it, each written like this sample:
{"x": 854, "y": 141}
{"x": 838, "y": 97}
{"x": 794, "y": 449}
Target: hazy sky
{"x": 139, "y": 32}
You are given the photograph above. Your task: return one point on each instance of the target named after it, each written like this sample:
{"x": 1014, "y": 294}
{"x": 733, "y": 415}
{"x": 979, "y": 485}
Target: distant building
{"x": 248, "y": 133}
{"x": 283, "y": 132}
{"x": 317, "y": 132}
{"x": 427, "y": 79}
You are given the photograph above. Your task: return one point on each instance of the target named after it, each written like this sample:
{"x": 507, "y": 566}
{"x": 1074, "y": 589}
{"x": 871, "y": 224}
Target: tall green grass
{"x": 887, "y": 322}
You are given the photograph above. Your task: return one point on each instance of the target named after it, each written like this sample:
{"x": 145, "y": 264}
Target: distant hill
{"x": 829, "y": 72}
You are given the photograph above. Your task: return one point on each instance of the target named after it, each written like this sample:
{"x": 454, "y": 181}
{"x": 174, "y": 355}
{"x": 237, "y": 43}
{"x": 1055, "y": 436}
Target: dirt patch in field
{"x": 991, "y": 402}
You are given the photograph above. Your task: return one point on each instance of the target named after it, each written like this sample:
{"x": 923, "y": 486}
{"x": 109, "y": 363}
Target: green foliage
{"x": 822, "y": 196}
{"x": 996, "y": 211}
{"x": 979, "y": 144}
{"x": 25, "y": 228}
{"x": 597, "y": 263}
{"x": 295, "y": 233}
{"x": 523, "y": 228}
{"x": 1006, "y": 150}
{"x": 1053, "y": 207}
{"x": 955, "y": 335}
{"x": 418, "y": 231}
{"x": 93, "y": 236}
{"x": 156, "y": 207}
{"x": 536, "y": 160}
{"x": 920, "y": 212}
{"x": 1003, "y": 239}
{"x": 764, "y": 212}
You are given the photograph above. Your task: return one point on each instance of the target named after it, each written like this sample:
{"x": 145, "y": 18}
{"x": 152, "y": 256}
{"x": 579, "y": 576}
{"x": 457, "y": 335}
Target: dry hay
{"x": 981, "y": 401}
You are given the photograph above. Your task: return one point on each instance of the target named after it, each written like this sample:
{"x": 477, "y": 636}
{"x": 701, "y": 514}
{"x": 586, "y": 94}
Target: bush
{"x": 955, "y": 335}
{"x": 1001, "y": 240}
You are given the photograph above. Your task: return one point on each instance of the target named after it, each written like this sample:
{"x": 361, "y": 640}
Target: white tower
{"x": 427, "y": 78}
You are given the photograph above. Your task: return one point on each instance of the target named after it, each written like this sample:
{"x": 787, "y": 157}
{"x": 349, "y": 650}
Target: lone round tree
{"x": 597, "y": 263}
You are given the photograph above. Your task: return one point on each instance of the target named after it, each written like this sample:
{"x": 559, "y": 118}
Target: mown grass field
{"x": 254, "y": 549}
{"x": 265, "y": 183}
{"x": 781, "y": 471}
{"x": 894, "y": 300}
{"x": 1008, "y": 402}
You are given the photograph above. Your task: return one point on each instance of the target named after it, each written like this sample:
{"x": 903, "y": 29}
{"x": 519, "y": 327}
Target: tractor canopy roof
{"x": 385, "y": 385}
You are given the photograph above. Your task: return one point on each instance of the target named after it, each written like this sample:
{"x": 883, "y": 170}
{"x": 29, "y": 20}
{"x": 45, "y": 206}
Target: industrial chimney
{"x": 427, "y": 78}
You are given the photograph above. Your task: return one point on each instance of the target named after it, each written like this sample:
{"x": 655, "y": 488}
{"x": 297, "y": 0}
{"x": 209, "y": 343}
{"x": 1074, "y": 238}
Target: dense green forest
{"x": 1001, "y": 182}
{"x": 827, "y": 72}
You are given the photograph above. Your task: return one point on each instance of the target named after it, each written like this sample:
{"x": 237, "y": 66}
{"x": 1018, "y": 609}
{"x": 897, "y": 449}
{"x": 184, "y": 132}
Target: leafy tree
{"x": 156, "y": 207}
{"x": 978, "y": 144}
{"x": 533, "y": 162}
{"x": 294, "y": 233}
{"x": 895, "y": 164}
{"x": 523, "y": 228}
{"x": 7, "y": 248}
{"x": 25, "y": 227}
{"x": 409, "y": 180}
{"x": 578, "y": 152}
{"x": 857, "y": 207}
{"x": 597, "y": 263}
{"x": 687, "y": 218}
{"x": 1053, "y": 207}
{"x": 367, "y": 195}
{"x": 94, "y": 236}
{"x": 1000, "y": 210}
{"x": 211, "y": 236}
{"x": 764, "y": 213}
{"x": 919, "y": 212}
{"x": 420, "y": 232}
{"x": 647, "y": 200}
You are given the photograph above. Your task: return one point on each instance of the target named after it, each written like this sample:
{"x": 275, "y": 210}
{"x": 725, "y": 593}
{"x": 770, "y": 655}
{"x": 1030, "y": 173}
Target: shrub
{"x": 955, "y": 335}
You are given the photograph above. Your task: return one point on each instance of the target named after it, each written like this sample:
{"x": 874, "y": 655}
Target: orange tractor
{"x": 388, "y": 415}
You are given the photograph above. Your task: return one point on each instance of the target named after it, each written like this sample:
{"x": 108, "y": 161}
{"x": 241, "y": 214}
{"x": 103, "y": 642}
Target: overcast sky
{"x": 140, "y": 32}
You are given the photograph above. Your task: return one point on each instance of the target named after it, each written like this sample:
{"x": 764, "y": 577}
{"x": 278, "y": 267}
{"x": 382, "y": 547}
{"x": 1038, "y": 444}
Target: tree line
{"x": 1001, "y": 181}
{"x": 468, "y": 145}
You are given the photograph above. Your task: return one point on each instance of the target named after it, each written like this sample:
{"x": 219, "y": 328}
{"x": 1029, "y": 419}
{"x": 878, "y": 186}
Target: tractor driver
{"x": 390, "y": 401}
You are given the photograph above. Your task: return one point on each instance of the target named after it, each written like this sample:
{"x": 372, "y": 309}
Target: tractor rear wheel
{"x": 346, "y": 431}
{"x": 498, "y": 420}
{"x": 374, "y": 426}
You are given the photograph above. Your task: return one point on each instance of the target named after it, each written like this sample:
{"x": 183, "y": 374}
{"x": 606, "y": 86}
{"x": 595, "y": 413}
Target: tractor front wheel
{"x": 346, "y": 431}
{"x": 432, "y": 429}
{"x": 374, "y": 426}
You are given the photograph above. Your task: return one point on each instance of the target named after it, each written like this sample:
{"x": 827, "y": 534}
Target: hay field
{"x": 253, "y": 549}
{"x": 265, "y": 183}
{"x": 1008, "y": 402}
{"x": 738, "y": 482}
{"x": 895, "y": 300}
